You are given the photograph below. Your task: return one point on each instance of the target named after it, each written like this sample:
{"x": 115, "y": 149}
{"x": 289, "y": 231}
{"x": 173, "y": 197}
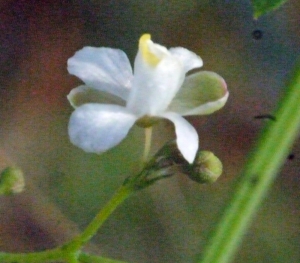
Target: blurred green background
{"x": 170, "y": 221}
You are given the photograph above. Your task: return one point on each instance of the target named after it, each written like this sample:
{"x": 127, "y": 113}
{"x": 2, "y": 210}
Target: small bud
{"x": 168, "y": 161}
{"x": 206, "y": 168}
{"x": 11, "y": 181}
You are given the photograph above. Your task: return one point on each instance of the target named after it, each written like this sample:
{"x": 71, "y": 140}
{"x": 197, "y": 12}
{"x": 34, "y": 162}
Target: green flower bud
{"x": 11, "y": 181}
{"x": 169, "y": 161}
{"x": 206, "y": 168}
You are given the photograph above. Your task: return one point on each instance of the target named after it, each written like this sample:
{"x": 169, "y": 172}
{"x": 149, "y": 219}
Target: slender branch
{"x": 260, "y": 171}
{"x": 69, "y": 252}
{"x": 123, "y": 192}
{"x": 35, "y": 257}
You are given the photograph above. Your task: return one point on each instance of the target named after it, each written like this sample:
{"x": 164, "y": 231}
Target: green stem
{"x": 71, "y": 251}
{"x": 123, "y": 192}
{"x": 51, "y": 255}
{"x": 260, "y": 171}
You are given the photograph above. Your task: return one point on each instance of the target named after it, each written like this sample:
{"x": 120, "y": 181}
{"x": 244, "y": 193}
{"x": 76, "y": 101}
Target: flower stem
{"x": 51, "y": 255}
{"x": 148, "y": 139}
{"x": 260, "y": 171}
{"x": 70, "y": 252}
{"x": 123, "y": 192}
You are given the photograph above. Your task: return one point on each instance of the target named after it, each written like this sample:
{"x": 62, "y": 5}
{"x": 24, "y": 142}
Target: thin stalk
{"x": 260, "y": 171}
{"x": 52, "y": 255}
{"x": 118, "y": 198}
{"x": 148, "y": 139}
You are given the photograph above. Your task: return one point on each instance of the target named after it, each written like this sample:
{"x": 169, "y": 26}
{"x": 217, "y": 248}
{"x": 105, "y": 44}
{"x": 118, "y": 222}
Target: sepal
{"x": 84, "y": 94}
{"x": 201, "y": 93}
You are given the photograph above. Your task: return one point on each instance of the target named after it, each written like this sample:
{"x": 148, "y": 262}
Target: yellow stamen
{"x": 148, "y": 56}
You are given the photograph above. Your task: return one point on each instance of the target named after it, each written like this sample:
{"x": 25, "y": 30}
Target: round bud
{"x": 206, "y": 168}
{"x": 11, "y": 181}
{"x": 168, "y": 161}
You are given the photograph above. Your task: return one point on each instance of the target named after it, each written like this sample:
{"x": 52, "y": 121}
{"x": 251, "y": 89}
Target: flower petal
{"x": 84, "y": 94}
{"x": 189, "y": 59}
{"x": 99, "y": 127}
{"x": 157, "y": 77}
{"x": 105, "y": 69}
{"x": 187, "y": 137}
{"x": 201, "y": 93}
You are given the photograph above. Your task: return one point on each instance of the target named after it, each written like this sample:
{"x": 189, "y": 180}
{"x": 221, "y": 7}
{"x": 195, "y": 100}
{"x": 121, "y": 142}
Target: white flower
{"x": 113, "y": 98}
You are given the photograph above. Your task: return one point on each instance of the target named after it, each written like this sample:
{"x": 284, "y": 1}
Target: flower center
{"x": 147, "y": 121}
{"x": 147, "y": 55}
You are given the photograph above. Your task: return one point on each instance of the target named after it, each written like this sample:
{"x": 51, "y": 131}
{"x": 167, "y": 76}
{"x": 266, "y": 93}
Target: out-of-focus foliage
{"x": 11, "y": 181}
{"x": 262, "y": 7}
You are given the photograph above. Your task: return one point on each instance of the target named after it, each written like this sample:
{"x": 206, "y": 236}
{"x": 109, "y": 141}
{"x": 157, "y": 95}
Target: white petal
{"x": 99, "y": 127}
{"x": 187, "y": 137}
{"x": 189, "y": 59}
{"x": 105, "y": 69}
{"x": 84, "y": 94}
{"x": 154, "y": 87}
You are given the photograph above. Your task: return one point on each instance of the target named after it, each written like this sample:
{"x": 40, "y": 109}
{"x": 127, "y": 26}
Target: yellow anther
{"x": 148, "y": 56}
